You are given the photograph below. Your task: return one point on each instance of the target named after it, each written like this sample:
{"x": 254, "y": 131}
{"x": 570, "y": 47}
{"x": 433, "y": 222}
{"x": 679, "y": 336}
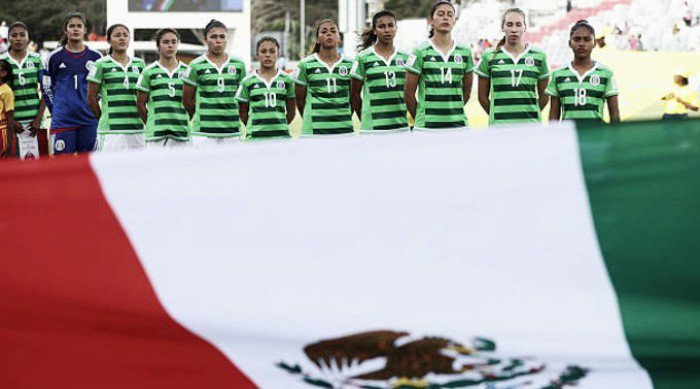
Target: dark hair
{"x": 163, "y": 31}
{"x": 111, "y": 29}
{"x": 367, "y": 36}
{"x": 5, "y": 65}
{"x": 503, "y": 22}
{"x": 17, "y": 24}
{"x": 434, "y": 8}
{"x": 582, "y": 24}
{"x": 684, "y": 80}
{"x": 317, "y": 46}
{"x": 212, "y": 25}
{"x": 70, "y": 16}
{"x": 266, "y": 39}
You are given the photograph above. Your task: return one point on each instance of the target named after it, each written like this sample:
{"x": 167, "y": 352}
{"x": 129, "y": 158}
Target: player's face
{"x": 267, "y": 55}
{"x": 443, "y": 19}
{"x": 328, "y": 36}
{"x": 582, "y": 43}
{"x": 75, "y": 30}
{"x": 168, "y": 45}
{"x": 514, "y": 27}
{"x": 19, "y": 38}
{"x": 119, "y": 40}
{"x": 385, "y": 29}
{"x": 217, "y": 40}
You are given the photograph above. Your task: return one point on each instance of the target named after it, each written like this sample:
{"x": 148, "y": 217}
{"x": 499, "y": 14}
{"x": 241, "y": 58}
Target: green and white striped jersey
{"x": 582, "y": 97}
{"x": 167, "y": 117}
{"x": 514, "y": 84}
{"x": 118, "y": 89}
{"x": 383, "y": 105}
{"x": 267, "y": 110}
{"x": 216, "y": 114}
{"x": 440, "y": 96}
{"x": 25, "y": 85}
{"x": 327, "y": 109}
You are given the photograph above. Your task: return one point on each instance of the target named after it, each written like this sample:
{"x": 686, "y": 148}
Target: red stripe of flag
{"x": 76, "y": 307}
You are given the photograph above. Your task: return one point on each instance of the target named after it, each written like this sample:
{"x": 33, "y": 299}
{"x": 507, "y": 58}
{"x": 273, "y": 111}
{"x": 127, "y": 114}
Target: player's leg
{"x": 64, "y": 141}
{"x": 87, "y": 139}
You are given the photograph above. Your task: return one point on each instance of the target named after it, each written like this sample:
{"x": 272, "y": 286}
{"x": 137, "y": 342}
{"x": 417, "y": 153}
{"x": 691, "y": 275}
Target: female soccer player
{"x": 323, "y": 85}
{"x": 159, "y": 96}
{"x": 115, "y": 76}
{"x": 7, "y": 107}
{"x": 266, "y": 97}
{"x": 513, "y": 76}
{"x": 580, "y": 89}
{"x": 378, "y": 73}
{"x": 209, "y": 93}
{"x": 26, "y": 68}
{"x": 441, "y": 70}
{"x": 73, "y": 125}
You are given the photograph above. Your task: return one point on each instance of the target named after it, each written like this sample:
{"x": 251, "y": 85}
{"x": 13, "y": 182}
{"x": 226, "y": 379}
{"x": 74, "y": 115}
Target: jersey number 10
{"x": 270, "y": 100}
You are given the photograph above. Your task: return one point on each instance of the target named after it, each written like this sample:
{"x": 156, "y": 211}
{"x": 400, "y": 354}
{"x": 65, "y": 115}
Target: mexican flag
{"x": 525, "y": 257}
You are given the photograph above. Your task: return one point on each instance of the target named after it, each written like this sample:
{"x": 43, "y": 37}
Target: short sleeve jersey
{"x": 327, "y": 109}
{"x": 118, "y": 89}
{"x": 582, "y": 97}
{"x": 440, "y": 95}
{"x": 383, "y": 105}
{"x": 167, "y": 117}
{"x": 216, "y": 114}
{"x": 7, "y": 103}
{"x": 25, "y": 85}
{"x": 514, "y": 84}
{"x": 267, "y": 104}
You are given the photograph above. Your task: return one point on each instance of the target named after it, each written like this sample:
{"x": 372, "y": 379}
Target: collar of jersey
{"x": 223, "y": 65}
{"x": 583, "y": 77}
{"x": 170, "y": 74}
{"x": 387, "y": 62}
{"x": 518, "y": 58}
{"x": 125, "y": 68}
{"x": 445, "y": 58}
{"x": 268, "y": 85}
{"x": 330, "y": 68}
{"x": 20, "y": 63}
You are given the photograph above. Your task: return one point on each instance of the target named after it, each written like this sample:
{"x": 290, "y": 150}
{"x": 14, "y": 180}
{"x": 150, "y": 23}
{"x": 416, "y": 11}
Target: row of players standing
{"x": 380, "y": 86}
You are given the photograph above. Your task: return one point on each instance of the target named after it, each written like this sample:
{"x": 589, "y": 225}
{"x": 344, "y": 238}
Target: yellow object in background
{"x": 685, "y": 93}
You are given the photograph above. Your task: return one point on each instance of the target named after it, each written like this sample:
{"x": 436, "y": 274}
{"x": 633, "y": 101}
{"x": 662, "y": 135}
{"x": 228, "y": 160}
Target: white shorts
{"x": 207, "y": 141}
{"x": 166, "y": 143}
{"x": 455, "y": 129}
{"x": 113, "y": 142}
{"x": 404, "y": 130}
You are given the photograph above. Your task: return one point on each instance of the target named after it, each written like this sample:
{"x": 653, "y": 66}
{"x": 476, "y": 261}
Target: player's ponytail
{"x": 433, "y": 8}
{"x": 110, "y": 30}
{"x": 368, "y": 37}
{"x": 317, "y": 46}
{"x": 502, "y": 42}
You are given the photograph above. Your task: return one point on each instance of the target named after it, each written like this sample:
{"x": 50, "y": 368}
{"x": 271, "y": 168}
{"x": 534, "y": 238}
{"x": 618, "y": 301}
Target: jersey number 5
{"x": 171, "y": 89}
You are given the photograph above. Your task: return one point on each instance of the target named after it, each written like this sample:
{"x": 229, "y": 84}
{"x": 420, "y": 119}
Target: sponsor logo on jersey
{"x": 343, "y": 70}
{"x": 529, "y": 61}
{"x": 501, "y": 62}
{"x": 88, "y": 65}
{"x": 595, "y": 80}
{"x": 62, "y": 66}
{"x": 567, "y": 79}
{"x": 375, "y": 64}
{"x": 60, "y": 145}
{"x": 30, "y": 65}
{"x": 159, "y": 76}
{"x": 256, "y": 86}
{"x": 114, "y": 70}
{"x": 432, "y": 59}
{"x": 232, "y": 70}
{"x": 280, "y": 85}
{"x": 317, "y": 71}
{"x": 458, "y": 59}
{"x": 400, "y": 62}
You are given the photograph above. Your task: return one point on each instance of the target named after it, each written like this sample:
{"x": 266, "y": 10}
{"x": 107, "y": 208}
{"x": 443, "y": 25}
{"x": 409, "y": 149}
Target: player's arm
{"x": 141, "y": 100}
{"x": 541, "y": 87}
{"x": 300, "y": 94}
{"x": 36, "y": 123}
{"x": 483, "y": 92}
{"x": 409, "y": 92}
{"x": 189, "y": 98}
{"x": 243, "y": 112}
{"x": 467, "y": 82}
{"x": 554, "y": 110}
{"x": 688, "y": 105}
{"x": 47, "y": 83}
{"x": 355, "y": 97}
{"x": 10, "y": 117}
{"x": 291, "y": 109}
{"x": 613, "y": 109}
{"x": 93, "y": 99}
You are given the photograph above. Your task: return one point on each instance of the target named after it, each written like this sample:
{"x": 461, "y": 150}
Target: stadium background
{"x": 647, "y": 41}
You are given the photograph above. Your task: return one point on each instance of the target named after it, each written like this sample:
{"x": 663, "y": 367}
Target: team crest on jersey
{"x": 400, "y": 62}
{"x": 529, "y": 61}
{"x": 135, "y": 69}
{"x": 343, "y": 71}
{"x": 280, "y": 85}
{"x": 458, "y": 59}
{"x": 89, "y": 64}
{"x": 399, "y": 359}
{"x": 595, "y": 80}
{"x": 30, "y": 65}
{"x": 232, "y": 70}
{"x": 181, "y": 75}
{"x": 60, "y": 145}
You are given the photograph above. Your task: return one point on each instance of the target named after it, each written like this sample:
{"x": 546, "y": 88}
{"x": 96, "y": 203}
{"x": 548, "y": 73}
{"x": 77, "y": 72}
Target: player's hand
{"x": 18, "y": 129}
{"x": 36, "y": 126}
